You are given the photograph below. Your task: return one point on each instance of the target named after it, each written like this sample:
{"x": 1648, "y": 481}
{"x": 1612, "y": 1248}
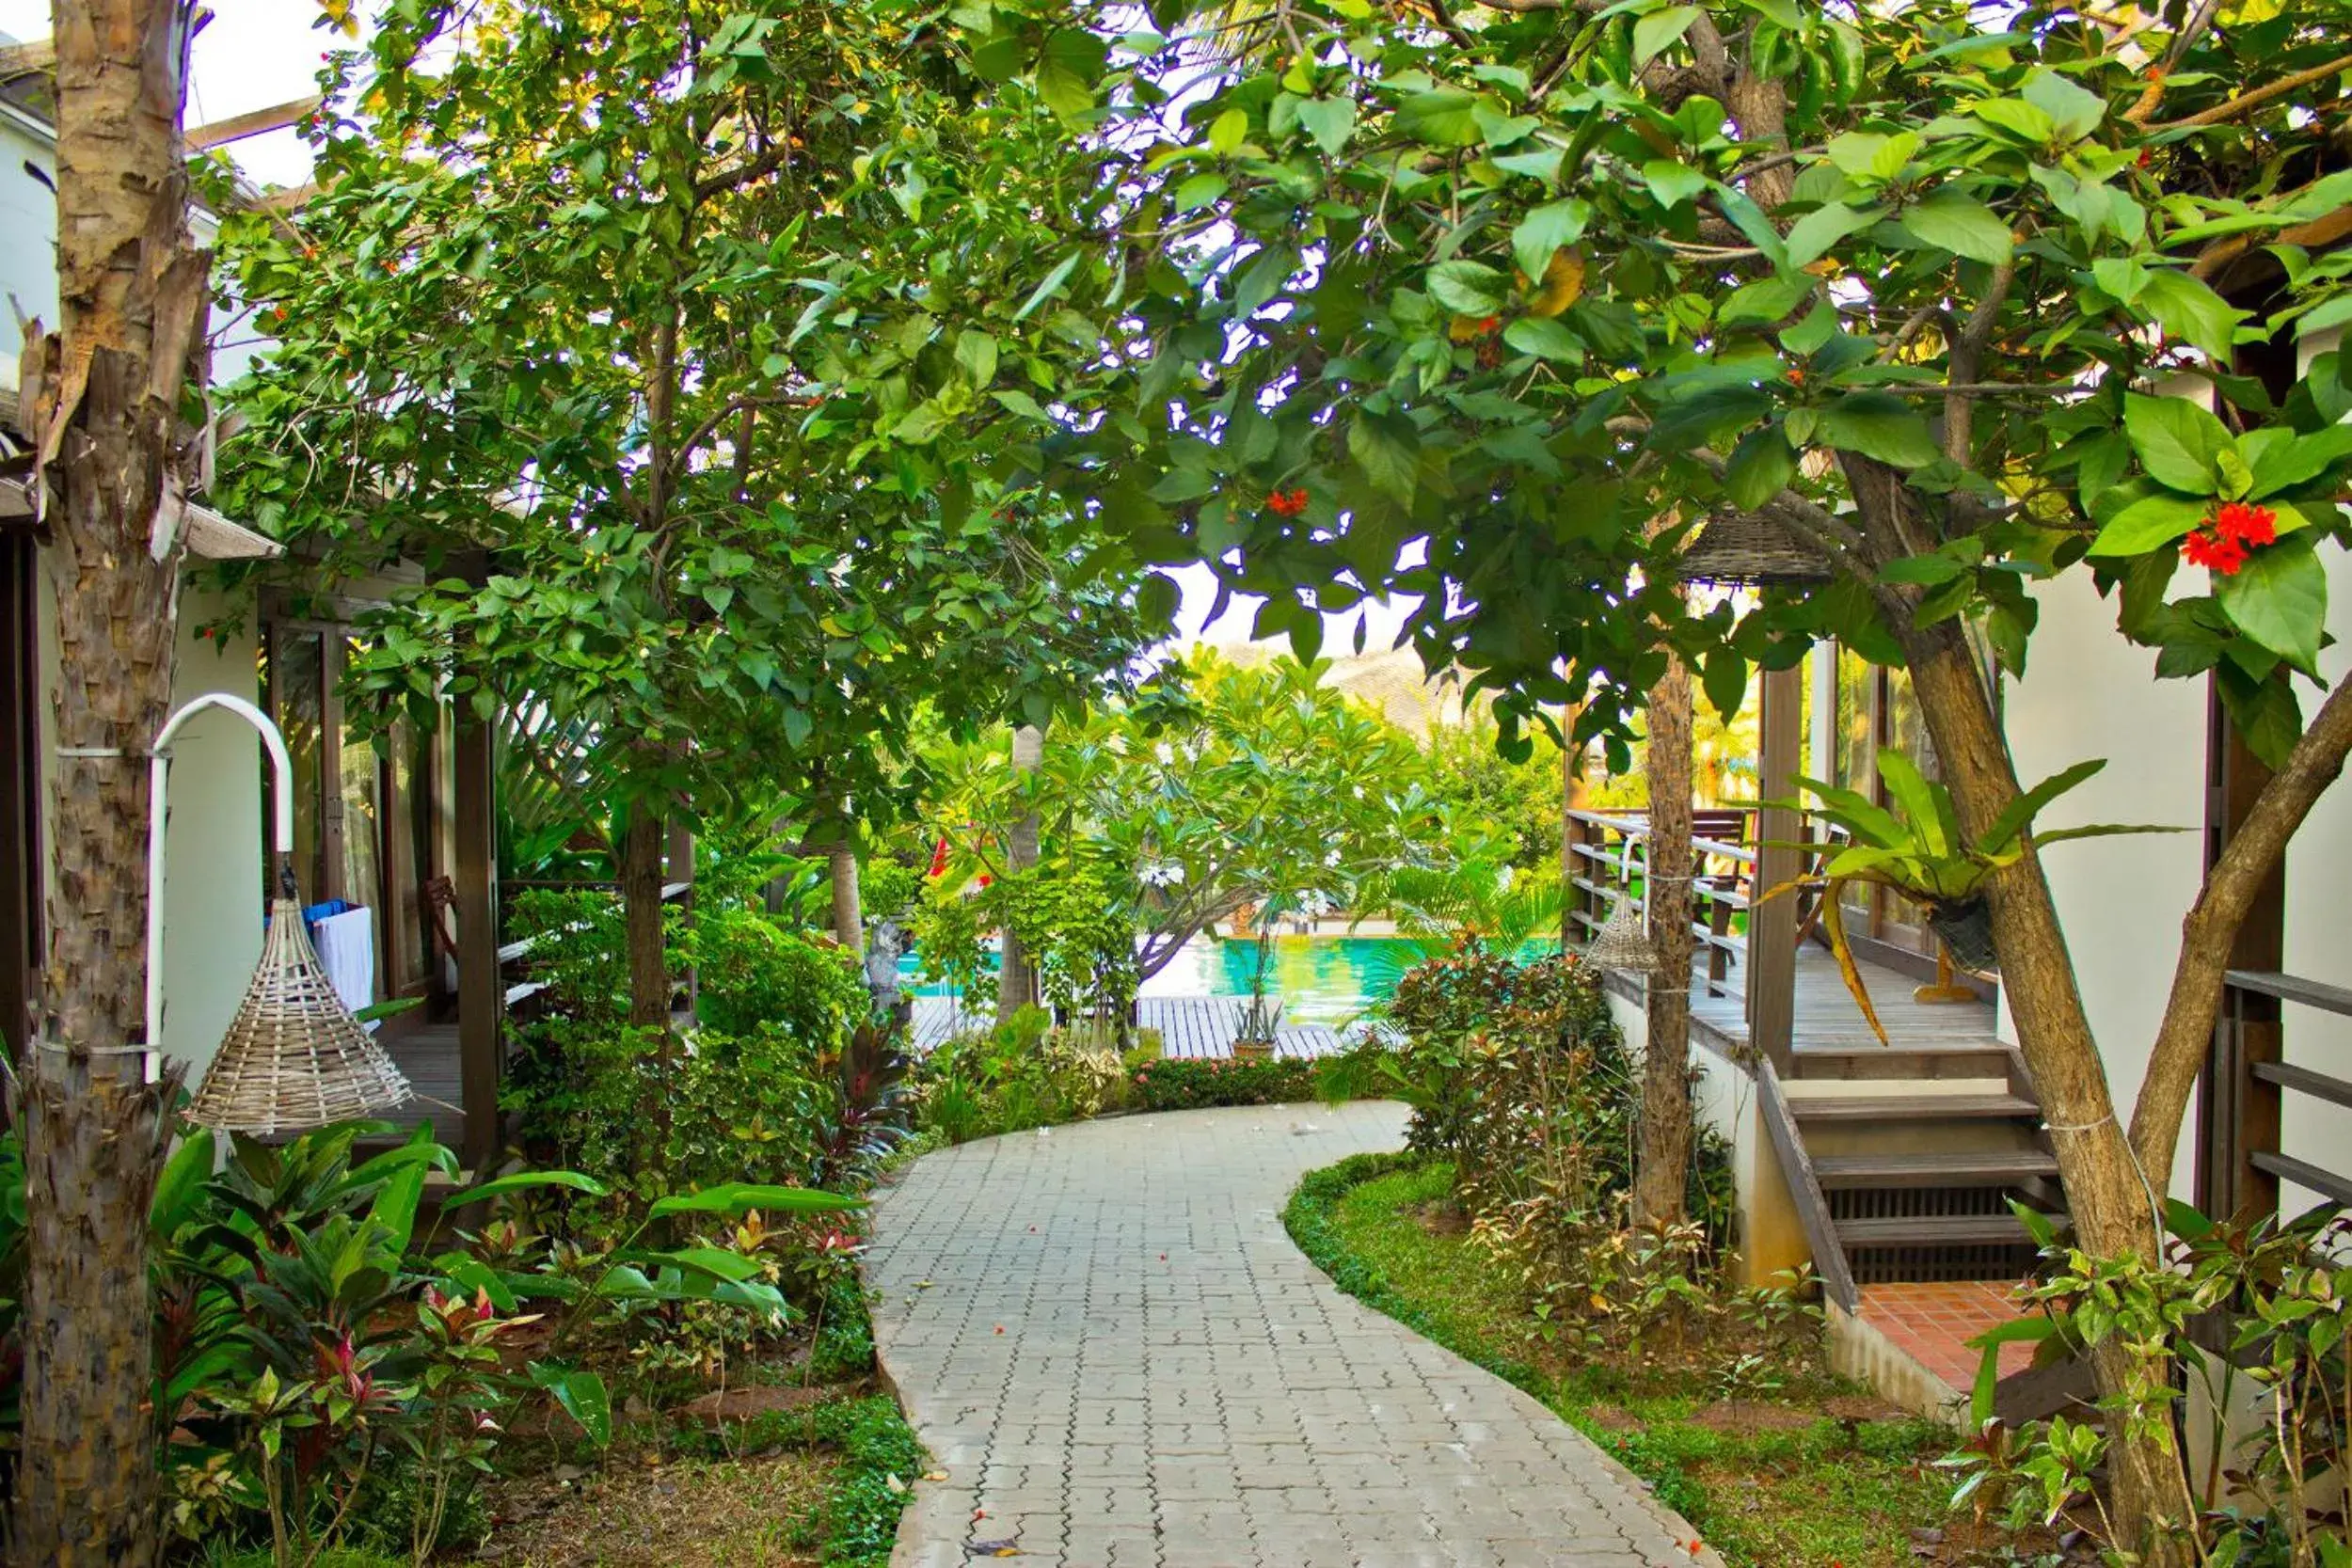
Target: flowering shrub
{"x": 1186, "y": 1085}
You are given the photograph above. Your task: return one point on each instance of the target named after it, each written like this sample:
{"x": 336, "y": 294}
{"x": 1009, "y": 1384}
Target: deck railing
{"x": 2247, "y": 1082}
{"x": 1609, "y": 854}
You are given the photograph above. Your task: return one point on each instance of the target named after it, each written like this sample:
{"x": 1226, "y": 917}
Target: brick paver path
{"x": 1116, "y": 1357}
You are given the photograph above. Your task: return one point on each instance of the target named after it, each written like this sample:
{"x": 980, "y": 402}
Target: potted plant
{"x": 1254, "y": 1036}
{"x": 1913, "y": 844}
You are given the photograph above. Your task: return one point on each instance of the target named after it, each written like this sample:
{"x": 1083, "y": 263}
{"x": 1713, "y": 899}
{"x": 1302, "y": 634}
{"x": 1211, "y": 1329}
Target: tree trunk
{"x": 1016, "y": 977}
{"x": 849, "y": 918}
{"x": 102, "y": 404}
{"x": 2113, "y": 1210}
{"x": 1663, "y": 1173}
{"x": 641, "y": 918}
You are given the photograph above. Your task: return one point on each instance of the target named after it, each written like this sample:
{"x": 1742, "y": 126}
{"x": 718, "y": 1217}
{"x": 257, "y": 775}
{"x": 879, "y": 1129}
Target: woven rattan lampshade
{"x": 294, "y": 1057}
{"x": 1621, "y": 943}
{"x": 1743, "y": 547}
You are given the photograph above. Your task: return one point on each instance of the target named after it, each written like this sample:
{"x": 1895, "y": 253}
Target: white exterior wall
{"x": 2088, "y": 693}
{"x": 213, "y": 881}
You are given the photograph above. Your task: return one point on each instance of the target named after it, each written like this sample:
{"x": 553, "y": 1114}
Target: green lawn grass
{"x": 1833, "y": 1494}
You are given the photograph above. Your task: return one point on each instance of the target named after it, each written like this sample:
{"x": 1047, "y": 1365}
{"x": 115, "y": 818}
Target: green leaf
{"x": 1880, "y": 425}
{"x": 1871, "y": 157}
{"x": 2299, "y": 459}
{"x": 1228, "y": 132}
{"x": 524, "y": 1181}
{"x": 1767, "y": 299}
{"x": 2176, "y": 440}
{"x": 1543, "y": 338}
{"x": 975, "y": 352}
{"x": 715, "y": 1261}
{"x": 1054, "y": 280}
{"x": 583, "y": 1397}
{"x": 1949, "y": 220}
{"x": 736, "y": 1197}
{"x": 2020, "y": 118}
{"x": 185, "y": 1173}
{"x": 1658, "y": 31}
{"x": 1543, "y": 164}
{"x": 2150, "y": 523}
{"x": 1385, "y": 448}
{"x": 1673, "y": 183}
{"x": 2019, "y": 814}
{"x": 1761, "y": 467}
{"x": 2278, "y": 598}
{"x": 1927, "y": 806}
{"x": 1810, "y": 236}
{"x": 1467, "y": 288}
{"x": 1262, "y": 278}
{"x": 1328, "y": 122}
{"x": 2189, "y": 310}
{"x": 1544, "y": 230}
{"x": 1442, "y": 118}
{"x": 2074, "y": 111}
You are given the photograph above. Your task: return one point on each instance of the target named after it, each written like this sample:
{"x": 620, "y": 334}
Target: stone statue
{"x": 883, "y": 945}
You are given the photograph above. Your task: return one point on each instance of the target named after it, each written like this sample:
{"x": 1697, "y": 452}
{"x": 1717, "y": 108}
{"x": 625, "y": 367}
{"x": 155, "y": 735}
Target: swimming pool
{"x": 1319, "y": 979}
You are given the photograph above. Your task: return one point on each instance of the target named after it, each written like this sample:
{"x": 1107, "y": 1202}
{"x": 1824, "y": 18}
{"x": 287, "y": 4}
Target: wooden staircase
{"x": 1903, "y": 1161}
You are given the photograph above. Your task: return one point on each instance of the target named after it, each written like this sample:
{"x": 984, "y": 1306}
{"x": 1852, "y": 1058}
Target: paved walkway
{"x": 1117, "y": 1357}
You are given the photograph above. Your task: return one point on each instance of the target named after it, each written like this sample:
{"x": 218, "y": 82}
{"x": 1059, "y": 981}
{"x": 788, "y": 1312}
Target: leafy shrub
{"x": 2256, "y": 1315}
{"x": 888, "y": 889}
{"x": 753, "y": 976}
{"x": 878, "y": 1449}
{"x": 1021, "y": 1074}
{"x": 1517, "y": 1074}
{"x": 1184, "y": 1085}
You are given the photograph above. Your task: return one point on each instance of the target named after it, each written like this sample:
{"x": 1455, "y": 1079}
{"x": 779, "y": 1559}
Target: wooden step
{"x": 1996, "y": 1168}
{"x": 1937, "y": 1230}
{"x": 1986, "y": 1058}
{"x": 1910, "y": 1107}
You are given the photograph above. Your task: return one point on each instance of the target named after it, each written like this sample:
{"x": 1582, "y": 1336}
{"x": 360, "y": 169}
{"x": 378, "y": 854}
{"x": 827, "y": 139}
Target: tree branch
{"x": 2270, "y": 93}
{"x": 2213, "y": 923}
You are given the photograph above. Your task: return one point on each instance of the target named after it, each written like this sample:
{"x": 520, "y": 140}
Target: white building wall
{"x": 213, "y": 886}
{"x": 2088, "y": 693}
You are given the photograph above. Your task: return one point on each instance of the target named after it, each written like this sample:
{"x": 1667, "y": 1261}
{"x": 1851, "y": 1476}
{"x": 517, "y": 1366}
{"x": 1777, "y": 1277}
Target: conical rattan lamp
{"x": 1622, "y": 943}
{"x": 293, "y": 1057}
{"x": 1739, "y": 548}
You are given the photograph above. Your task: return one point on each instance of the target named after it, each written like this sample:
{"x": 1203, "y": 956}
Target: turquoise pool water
{"x": 1319, "y": 979}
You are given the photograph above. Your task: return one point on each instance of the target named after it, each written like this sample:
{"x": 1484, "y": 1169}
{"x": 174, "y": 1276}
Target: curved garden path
{"x": 1115, "y": 1357}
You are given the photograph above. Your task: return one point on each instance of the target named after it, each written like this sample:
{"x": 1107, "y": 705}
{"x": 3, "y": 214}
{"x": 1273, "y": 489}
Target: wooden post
{"x": 2238, "y": 1115}
{"x": 1772, "y": 924}
{"x": 480, "y": 994}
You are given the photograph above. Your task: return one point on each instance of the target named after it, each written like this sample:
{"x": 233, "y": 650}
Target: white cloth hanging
{"x": 346, "y": 944}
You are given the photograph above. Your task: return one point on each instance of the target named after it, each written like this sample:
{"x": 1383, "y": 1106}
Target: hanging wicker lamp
{"x": 1733, "y": 548}
{"x": 1622, "y": 943}
{"x": 294, "y": 1057}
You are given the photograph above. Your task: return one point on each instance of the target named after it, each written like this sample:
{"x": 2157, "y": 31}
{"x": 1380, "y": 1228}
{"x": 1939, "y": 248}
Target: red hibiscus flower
{"x": 1286, "y": 503}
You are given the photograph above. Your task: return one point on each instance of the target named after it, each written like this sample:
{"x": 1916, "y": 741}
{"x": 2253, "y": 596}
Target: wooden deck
{"x": 1194, "y": 1028}
{"x": 1826, "y": 1017}
{"x": 429, "y": 1056}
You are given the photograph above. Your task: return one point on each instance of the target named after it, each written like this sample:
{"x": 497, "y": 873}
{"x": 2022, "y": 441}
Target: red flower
{"x": 2229, "y": 535}
{"x": 939, "y": 857}
{"x": 2213, "y": 552}
{"x": 2247, "y": 525}
{"x": 1286, "y": 503}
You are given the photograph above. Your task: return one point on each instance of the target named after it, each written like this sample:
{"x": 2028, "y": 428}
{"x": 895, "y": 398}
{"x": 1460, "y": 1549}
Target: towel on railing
{"x": 346, "y": 944}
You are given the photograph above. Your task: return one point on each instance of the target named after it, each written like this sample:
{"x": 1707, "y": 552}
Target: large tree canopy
{"x": 705, "y": 344}
{"x": 1523, "y": 279}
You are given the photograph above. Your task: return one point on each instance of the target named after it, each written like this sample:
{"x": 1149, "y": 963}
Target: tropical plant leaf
{"x": 1834, "y": 928}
